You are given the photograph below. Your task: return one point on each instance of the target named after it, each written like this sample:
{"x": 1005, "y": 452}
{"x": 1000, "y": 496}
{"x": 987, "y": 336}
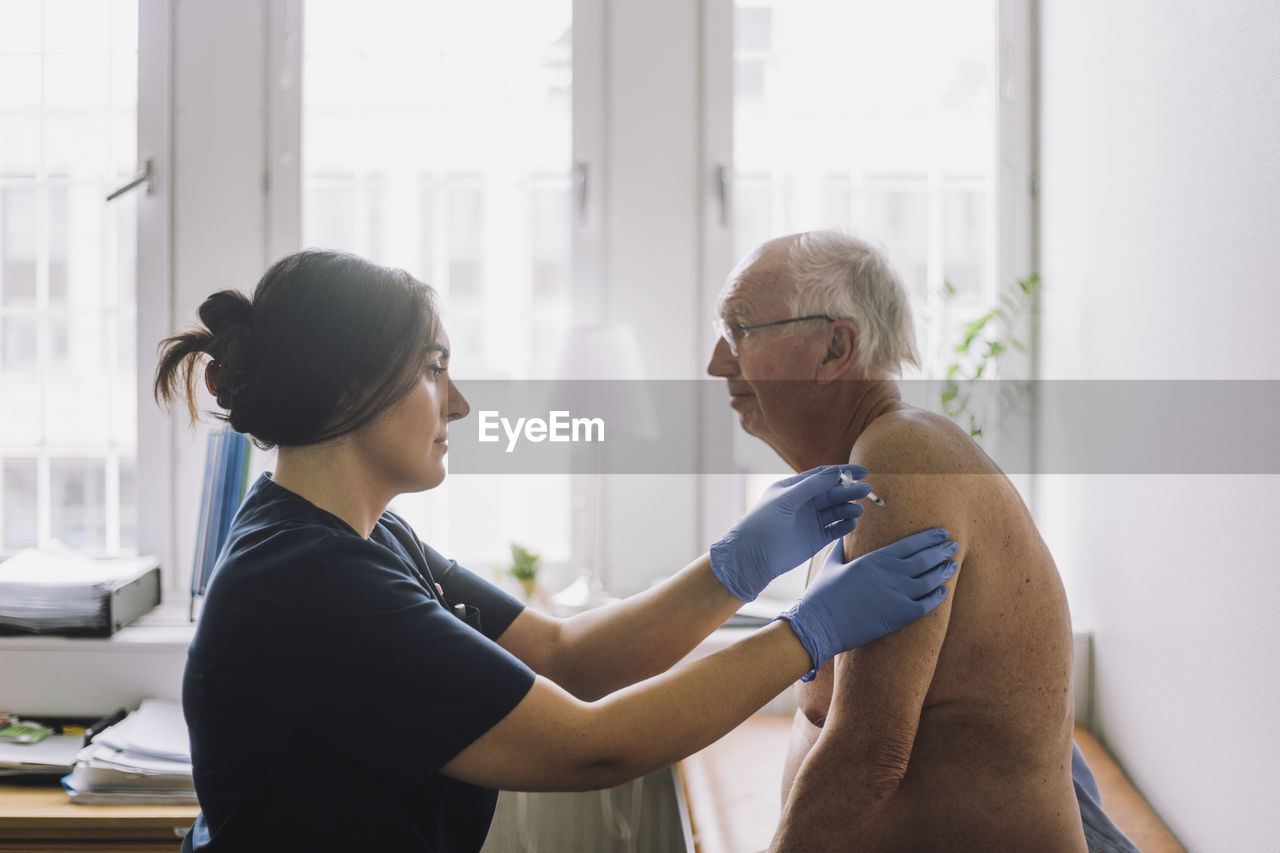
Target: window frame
{"x": 1013, "y": 194}
{"x": 621, "y": 108}
{"x": 61, "y": 204}
{"x": 225, "y": 169}
{"x": 155, "y": 482}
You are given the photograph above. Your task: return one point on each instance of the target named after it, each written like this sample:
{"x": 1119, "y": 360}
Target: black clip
{"x": 104, "y": 724}
{"x": 468, "y": 614}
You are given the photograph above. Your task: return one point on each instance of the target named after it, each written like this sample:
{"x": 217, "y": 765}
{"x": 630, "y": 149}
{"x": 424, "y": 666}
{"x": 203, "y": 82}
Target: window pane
{"x": 77, "y": 80}
{"x": 59, "y": 216}
{"x": 21, "y": 76}
{"x": 21, "y": 30}
{"x": 76, "y": 26}
{"x": 549, "y": 239}
{"x": 60, "y": 341}
{"x": 837, "y": 202}
{"x": 329, "y": 213}
{"x": 466, "y": 240}
{"x": 873, "y": 117}
{"x": 435, "y": 141}
{"x": 79, "y": 489}
{"x": 753, "y": 37}
{"x": 753, "y": 213}
{"x": 18, "y": 228}
{"x": 19, "y": 503}
{"x": 965, "y": 226}
{"x": 18, "y": 344}
{"x": 428, "y": 238}
{"x": 128, "y": 504}
{"x": 878, "y": 119}
{"x": 897, "y": 217}
{"x": 67, "y": 267}
{"x": 124, "y": 219}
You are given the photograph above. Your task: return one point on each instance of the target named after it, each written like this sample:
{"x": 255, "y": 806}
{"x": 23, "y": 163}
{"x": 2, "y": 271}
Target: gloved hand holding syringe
{"x": 846, "y": 479}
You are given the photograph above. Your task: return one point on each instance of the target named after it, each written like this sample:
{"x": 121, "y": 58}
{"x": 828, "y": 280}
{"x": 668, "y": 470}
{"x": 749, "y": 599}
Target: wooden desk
{"x": 42, "y": 818}
{"x": 734, "y": 787}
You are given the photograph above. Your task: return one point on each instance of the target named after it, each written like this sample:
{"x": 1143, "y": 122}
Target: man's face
{"x": 771, "y": 379}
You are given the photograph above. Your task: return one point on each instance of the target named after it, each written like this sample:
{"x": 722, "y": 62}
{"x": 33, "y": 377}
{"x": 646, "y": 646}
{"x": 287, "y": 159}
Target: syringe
{"x": 846, "y": 479}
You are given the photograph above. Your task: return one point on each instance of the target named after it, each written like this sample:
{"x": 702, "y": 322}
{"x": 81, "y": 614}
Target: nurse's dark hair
{"x": 327, "y": 343}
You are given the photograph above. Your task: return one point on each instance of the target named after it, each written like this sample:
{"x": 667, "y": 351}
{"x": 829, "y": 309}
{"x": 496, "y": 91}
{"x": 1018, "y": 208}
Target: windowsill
{"x": 164, "y": 628}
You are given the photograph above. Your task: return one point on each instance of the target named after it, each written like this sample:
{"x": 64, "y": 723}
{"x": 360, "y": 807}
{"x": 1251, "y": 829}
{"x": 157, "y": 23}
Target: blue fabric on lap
{"x": 1100, "y": 833}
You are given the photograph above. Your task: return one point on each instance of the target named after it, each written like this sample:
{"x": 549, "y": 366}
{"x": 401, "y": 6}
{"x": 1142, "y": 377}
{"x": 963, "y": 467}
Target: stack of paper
{"x": 54, "y": 756}
{"x": 58, "y": 589}
{"x": 145, "y": 758}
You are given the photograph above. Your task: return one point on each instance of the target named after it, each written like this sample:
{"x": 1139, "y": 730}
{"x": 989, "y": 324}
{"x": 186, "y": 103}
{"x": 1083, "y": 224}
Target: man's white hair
{"x": 847, "y": 278}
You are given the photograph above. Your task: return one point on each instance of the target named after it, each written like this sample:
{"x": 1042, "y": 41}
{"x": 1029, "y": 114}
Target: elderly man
{"x": 955, "y": 732}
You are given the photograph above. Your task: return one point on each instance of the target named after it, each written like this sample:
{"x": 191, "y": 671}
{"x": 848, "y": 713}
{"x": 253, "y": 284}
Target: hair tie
{"x": 210, "y": 371}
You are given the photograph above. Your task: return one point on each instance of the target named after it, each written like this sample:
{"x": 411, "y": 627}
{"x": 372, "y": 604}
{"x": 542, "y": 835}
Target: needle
{"x": 846, "y": 479}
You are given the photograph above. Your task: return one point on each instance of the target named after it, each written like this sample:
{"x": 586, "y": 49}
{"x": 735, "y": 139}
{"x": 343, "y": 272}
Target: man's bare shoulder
{"x": 914, "y": 441}
{"x": 930, "y": 473}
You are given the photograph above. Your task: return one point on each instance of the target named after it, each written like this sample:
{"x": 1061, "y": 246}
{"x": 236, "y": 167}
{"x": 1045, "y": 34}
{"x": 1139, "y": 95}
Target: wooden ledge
{"x": 1122, "y": 802}
{"x": 733, "y": 790}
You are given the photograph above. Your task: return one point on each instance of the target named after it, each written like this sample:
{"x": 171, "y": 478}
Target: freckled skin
{"x": 988, "y": 767}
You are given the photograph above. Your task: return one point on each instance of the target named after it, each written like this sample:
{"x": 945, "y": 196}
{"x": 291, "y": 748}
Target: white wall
{"x": 1160, "y": 251}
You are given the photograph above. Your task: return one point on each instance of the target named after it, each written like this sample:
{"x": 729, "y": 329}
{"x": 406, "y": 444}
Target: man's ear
{"x": 842, "y": 338}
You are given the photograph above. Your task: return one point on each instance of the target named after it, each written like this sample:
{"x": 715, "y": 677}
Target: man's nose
{"x": 722, "y": 362}
{"x": 458, "y": 405}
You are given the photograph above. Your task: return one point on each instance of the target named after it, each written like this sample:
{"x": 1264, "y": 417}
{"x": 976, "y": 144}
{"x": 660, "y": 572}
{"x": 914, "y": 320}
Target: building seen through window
{"x": 435, "y": 141}
{"x": 879, "y": 119}
{"x": 68, "y": 373}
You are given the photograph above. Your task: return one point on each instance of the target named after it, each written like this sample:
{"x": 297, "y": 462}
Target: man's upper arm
{"x": 880, "y": 688}
{"x": 861, "y": 754}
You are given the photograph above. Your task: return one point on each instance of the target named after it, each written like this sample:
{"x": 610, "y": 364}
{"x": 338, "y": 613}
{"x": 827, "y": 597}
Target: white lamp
{"x": 591, "y": 355}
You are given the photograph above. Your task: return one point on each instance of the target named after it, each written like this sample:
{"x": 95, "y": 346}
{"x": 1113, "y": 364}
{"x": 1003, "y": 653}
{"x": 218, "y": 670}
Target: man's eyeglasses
{"x": 733, "y": 333}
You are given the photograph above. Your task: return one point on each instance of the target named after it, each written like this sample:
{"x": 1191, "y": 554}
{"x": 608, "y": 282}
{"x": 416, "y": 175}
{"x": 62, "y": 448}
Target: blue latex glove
{"x": 850, "y": 604}
{"x": 795, "y": 519}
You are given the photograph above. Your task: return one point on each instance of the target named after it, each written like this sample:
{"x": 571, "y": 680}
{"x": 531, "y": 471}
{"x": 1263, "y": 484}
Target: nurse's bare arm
{"x": 861, "y": 754}
{"x": 553, "y": 741}
{"x": 595, "y": 653}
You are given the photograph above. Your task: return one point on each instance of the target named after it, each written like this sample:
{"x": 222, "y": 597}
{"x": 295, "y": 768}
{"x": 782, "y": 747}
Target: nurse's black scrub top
{"x": 326, "y": 685}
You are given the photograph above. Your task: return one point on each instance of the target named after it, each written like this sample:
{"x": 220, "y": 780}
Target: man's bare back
{"x": 955, "y": 732}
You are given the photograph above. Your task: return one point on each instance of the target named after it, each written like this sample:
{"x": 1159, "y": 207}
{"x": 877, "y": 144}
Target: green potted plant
{"x": 982, "y": 347}
{"x": 524, "y": 568}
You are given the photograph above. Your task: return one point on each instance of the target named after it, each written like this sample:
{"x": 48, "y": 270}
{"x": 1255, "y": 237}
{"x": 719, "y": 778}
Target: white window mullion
{"x": 283, "y": 94}
{"x": 1014, "y": 94}
{"x": 44, "y": 499}
{"x": 720, "y": 499}
{"x": 590, "y": 193}
{"x": 112, "y": 513}
{"x": 155, "y": 486}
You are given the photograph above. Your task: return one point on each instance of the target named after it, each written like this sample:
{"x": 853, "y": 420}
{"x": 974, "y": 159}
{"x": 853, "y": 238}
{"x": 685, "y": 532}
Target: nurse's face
{"x": 406, "y": 444}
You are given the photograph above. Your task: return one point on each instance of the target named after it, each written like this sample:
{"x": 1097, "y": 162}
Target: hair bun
{"x": 225, "y": 309}
{"x": 228, "y": 315}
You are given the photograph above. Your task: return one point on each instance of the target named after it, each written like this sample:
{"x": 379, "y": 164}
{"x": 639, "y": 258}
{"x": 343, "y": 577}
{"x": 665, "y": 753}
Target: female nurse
{"x": 349, "y": 688}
